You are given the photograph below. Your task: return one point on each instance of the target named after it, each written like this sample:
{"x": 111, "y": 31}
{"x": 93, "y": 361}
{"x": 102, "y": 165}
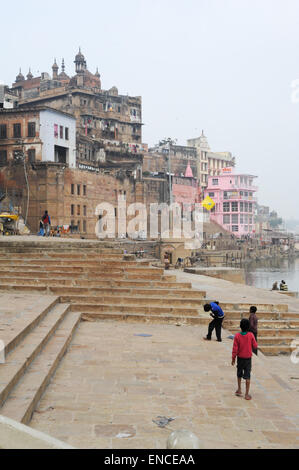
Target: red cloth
{"x": 243, "y": 345}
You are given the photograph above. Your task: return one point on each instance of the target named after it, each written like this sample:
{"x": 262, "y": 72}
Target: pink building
{"x": 235, "y": 201}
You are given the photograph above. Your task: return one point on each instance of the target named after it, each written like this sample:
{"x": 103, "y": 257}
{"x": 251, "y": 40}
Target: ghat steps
{"x": 95, "y": 283}
{"x": 96, "y": 280}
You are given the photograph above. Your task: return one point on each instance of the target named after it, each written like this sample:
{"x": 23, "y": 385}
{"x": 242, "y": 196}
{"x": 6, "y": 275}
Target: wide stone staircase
{"x": 95, "y": 281}
{"x": 34, "y": 345}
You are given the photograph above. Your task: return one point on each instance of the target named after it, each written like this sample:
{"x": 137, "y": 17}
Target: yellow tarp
{"x": 9, "y": 216}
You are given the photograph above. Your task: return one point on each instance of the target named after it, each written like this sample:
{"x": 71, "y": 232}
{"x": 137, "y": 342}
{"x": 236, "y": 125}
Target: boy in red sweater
{"x": 244, "y": 343}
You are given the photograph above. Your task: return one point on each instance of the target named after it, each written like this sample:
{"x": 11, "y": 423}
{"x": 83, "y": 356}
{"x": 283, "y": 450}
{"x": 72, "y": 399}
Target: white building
{"x": 38, "y": 134}
{"x": 58, "y": 134}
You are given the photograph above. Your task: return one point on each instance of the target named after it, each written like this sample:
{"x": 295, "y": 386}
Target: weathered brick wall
{"x": 23, "y": 143}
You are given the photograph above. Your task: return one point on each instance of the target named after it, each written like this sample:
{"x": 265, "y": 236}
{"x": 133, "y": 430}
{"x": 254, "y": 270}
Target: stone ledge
{"x": 14, "y": 435}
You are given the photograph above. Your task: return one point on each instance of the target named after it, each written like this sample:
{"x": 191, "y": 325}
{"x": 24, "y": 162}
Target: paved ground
{"x": 112, "y": 384}
{"x": 14, "y": 306}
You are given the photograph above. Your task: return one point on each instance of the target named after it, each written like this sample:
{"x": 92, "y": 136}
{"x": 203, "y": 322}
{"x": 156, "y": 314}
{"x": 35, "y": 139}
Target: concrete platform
{"x": 113, "y": 383}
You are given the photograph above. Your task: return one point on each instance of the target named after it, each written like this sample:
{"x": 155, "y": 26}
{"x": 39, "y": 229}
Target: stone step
{"x": 129, "y": 309}
{"x": 90, "y": 269}
{"x": 18, "y": 360}
{"x": 232, "y": 315}
{"x": 22, "y": 402}
{"x": 184, "y": 295}
{"x": 262, "y": 332}
{"x": 44, "y": 247}
{"x": 264, "y": 324}
{"x": 86, "y": 275}
{"x": 12, "y": 334}
{"x": 150, "y": 301}
{"x": 61, "y": 255}
{"x": 45, "y": 263}
{"x": 10, "y": 279}
{"x": 276, "y": 350}
{"x": 262, "y": 307}
{"x": 143, "y": 318}
{"x": 275, "y": 340}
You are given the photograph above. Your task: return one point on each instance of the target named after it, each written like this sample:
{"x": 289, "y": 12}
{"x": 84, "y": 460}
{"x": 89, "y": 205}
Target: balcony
{"x": 136, "y": 119}
{"x": 240, "y": 198}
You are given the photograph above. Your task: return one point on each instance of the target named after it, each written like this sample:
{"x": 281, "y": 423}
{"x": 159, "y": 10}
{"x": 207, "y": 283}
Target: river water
{"x": 264, "y": 273}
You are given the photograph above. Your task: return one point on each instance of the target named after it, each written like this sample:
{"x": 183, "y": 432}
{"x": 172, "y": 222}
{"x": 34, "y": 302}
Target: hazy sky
{"x": 225, "y": 66}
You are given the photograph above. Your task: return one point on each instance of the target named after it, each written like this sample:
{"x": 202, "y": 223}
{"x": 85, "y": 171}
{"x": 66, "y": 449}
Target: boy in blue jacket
{"x": 218, "y": 316}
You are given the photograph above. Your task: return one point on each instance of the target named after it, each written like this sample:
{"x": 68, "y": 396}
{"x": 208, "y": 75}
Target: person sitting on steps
{"x": 283, "y": 286}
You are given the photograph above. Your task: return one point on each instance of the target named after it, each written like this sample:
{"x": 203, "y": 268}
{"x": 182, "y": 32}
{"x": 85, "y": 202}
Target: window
{"x": 84, "y": 211}
{"x": 17, "y": 130}
{"x": 84, "y": 189}
{"x": 226, "y": 219}
{"x": 72, "y": 209}
{"x": 3, "y": 131}
{"x": 235, "y": 228}
{"x": 78, "y": 210}
{"x": 241, "y": 206}
{"x": 226, "y": 206}
{"x": 84, "y": 226}
{"x": 250, "y": 207}
{"x": 234, "y": 207}
{"x": 215, "y": 181}
{"x": 31, "y": 129}
{"x": 3, "y": 157}
{"x": 235, "y": 218}
{"x": 78, "y": 189}
{"x": 31, "y": 156}
{"x": 66, "y": 133}
{"x": 61, "y": 132}
{"x": 246, "y": 206}
{"x": 72, "y": 189}
{"x": 56, "y": 131}
{"x": 241, "y": 219}
{"x": 17, "y": 154}
{"x": 211, "y": 194}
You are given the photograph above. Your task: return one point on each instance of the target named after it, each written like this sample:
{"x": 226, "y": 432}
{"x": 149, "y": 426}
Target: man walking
{"x": 47, "y": 223}
{"x": 218, "y": 316}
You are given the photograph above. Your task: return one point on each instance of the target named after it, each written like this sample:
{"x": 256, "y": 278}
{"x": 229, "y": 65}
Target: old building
{"x": 8, "y": 98}
{"x": 69, "y": 146}
{"x": 168, "y": 157}
{"x": 69, "y": 194}
{"x": 209, "y": 163}
{"x": 37, "y": 134}
{"x": 109, "y": 125}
